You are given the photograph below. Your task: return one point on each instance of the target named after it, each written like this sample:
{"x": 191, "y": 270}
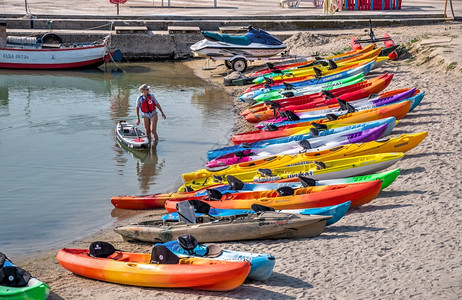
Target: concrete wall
{"x": 155, "y": 46}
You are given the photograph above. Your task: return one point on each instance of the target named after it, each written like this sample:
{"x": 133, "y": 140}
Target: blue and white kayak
{"x": 262, "y": 264}
{"x": 131, "y": 136}
{"x": 336, "y": 211}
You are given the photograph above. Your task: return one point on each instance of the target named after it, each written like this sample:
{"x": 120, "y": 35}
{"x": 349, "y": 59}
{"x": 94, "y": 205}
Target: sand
{"x": 405, "y": 244}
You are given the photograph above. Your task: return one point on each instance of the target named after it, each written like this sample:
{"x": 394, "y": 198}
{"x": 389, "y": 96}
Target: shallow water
{"x": 60, "y": 162}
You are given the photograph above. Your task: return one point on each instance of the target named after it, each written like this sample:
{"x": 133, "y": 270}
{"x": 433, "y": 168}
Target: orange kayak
{"x": 397, "y": 110}
{"x": 307, "y": 197}
{"x": 136, "y": 269}
{"x": 347, "y": 56}
{"x": 304, "y": 72}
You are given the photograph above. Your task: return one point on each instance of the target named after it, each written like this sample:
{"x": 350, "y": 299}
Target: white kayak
{"x": 131, "y": 136}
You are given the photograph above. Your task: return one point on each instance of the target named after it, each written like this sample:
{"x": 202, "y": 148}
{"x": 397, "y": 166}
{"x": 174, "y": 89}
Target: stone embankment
{"x": 169, "y": 37}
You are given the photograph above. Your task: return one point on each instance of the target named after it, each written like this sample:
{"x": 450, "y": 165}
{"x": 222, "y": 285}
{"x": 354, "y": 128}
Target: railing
{"x": 372, "y": 4}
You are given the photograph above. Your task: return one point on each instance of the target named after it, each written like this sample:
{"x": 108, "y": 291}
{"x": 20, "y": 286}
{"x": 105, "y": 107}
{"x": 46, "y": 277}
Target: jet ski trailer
{"x": 256, "y": 44}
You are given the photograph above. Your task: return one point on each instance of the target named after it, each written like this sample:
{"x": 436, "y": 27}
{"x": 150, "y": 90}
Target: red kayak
{"x": 350, "y": 93}
{"x": 398, "y": 110}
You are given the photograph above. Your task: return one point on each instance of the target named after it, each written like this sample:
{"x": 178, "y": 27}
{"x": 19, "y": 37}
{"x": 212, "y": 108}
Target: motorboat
{"x": 255, "y": 43}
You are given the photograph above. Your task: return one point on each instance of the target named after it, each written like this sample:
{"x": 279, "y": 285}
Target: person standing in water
{"x": 148, "y": 105}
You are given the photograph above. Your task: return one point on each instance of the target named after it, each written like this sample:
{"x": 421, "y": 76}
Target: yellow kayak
{"x": 328, "y": 169}
{"x": 310, "y": 71}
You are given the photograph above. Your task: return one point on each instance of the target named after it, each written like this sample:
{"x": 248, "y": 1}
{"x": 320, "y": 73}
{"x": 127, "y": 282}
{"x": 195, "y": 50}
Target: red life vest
{"x": 147, "y": 105}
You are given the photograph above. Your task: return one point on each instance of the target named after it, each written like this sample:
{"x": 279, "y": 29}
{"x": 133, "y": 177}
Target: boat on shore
{"x": 265, "y": 225}
{"x": 18, "y": 52}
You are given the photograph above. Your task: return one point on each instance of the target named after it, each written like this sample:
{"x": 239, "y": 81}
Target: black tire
{"x": 228, "y": 64}
{"x": 51, "y": 38}
{"x": 239, "y": 64}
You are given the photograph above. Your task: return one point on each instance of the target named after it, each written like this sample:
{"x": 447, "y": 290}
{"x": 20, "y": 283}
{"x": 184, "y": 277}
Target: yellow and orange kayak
{"x": 328, "y": 169}
{"x": 346, "y": 56}
{"x": 309, "y": 71}
{"x": 136, "y": 269}
{"x": 397, "y": 110}
{"x": 307, "y": 197}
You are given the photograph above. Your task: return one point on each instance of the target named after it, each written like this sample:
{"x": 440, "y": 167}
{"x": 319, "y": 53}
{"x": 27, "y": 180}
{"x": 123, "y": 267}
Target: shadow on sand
{"x": 389, "y": 194}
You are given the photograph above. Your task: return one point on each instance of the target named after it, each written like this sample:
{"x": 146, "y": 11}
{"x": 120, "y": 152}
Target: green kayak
{"x": 31, "y": 288}
{"x": 327, "y": 86}
{"x": 35, "y": 290}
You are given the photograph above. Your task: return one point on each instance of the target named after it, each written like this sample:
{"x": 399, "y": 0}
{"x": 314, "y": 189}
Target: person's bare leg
{"x": 147, "y": 127}
{"x": 154, "y": 126}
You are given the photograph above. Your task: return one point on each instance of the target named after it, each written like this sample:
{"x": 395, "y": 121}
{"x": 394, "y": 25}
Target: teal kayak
{"x": 295, "y": 92}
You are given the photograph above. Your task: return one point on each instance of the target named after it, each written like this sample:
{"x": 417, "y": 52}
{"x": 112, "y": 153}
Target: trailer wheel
{"x": 239, "y": 64}
{"x": 228, "y": 64}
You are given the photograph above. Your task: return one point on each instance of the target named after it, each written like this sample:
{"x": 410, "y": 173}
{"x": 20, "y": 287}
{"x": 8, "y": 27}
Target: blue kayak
{"x": 358, "y": 105}
{"x": 336, "y": 211}
{"x": 262, "y": 264}
{"x": 212, "y": 154}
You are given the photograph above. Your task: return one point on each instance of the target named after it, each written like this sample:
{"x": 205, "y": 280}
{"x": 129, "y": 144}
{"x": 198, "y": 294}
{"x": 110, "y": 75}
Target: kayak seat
{"x": 213, "y": 251}
{"x": 162, "y": 255}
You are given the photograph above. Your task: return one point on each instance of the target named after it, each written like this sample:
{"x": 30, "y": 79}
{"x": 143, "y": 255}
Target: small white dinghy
{"x": 131, "y": 136}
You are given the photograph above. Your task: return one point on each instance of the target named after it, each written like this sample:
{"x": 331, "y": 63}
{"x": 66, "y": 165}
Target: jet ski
{"x": 255, "y": 43}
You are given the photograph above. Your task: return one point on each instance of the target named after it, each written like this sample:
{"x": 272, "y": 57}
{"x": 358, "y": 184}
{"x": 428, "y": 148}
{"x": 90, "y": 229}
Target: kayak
{"x": 265, "y": 225}
{"x": 329, "y": 169}
{"x": 305, "y": 79}
{"x": 364, "y": 68}
{"x": 267, "y": 158}
{"x": 386, "y": 98}
{"x": 314, "y": 133}
{"x": 271, "y": 109}
{"x": 315, "y": 147}
{"x": 34, "y": 290}
{"x": 346, "y": 55}
{"x": 153, "y": 201}
{"x": 291, "y": 91}
{"x": 333, "y": 93}
{"x": 137, "y": 269}
{"x": 130, "y": 136}
{"x": 341, "y": 108}
{"x": 305, "y": 197}
{"x": 336, "y": 211}
{"x": 398, "y": 110}
{"x": 261, "y": 264}
{"x": 307, "y": 71}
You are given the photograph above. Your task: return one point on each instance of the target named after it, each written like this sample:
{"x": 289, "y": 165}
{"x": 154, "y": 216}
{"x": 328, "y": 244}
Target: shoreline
{"x": 404, "y": 244}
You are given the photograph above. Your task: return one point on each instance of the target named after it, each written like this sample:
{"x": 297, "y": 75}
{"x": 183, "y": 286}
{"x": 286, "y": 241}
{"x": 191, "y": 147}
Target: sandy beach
{"x": 405, "y": 244}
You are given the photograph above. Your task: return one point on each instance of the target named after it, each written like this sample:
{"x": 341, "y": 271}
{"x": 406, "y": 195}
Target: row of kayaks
{"x": 321, "y": 147}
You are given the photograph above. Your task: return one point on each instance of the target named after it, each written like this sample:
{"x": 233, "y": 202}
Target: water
{"x": 60, "y": 162}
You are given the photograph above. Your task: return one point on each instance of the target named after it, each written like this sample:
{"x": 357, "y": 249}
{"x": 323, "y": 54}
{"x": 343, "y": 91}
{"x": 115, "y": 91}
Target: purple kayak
{"x": 303, "y": 146}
